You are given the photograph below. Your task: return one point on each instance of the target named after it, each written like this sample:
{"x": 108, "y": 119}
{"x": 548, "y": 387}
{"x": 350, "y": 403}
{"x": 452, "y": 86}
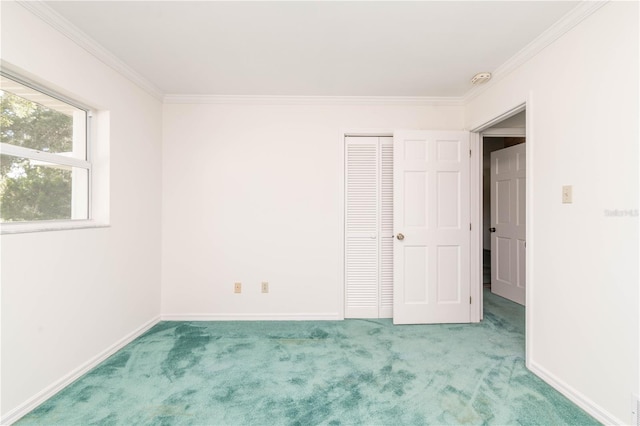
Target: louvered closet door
{"x": 386, "y": 228}
{"x": 369, "y": 227}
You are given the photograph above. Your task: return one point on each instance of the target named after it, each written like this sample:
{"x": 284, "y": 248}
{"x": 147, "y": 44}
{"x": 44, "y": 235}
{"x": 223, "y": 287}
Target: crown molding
{"x": 313, "y": 100}
{"x": 576, "y": 15}
{"x": 62, "y": 25}
{"x": 579, "y": 13}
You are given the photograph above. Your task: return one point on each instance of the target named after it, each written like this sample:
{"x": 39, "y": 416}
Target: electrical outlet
{"x": 265, "y": 287}
{"x": 567, "y": 194}
{"x": 237, "y": 288}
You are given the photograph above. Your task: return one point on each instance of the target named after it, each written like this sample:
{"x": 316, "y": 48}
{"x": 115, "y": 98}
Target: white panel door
{"x": 369, "y": 227}
{"x": 431, "y": 224}
{"x": 508, "y": 214}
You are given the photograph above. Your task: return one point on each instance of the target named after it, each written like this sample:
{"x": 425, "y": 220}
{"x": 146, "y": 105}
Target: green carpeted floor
{"x": 317, "y": 372}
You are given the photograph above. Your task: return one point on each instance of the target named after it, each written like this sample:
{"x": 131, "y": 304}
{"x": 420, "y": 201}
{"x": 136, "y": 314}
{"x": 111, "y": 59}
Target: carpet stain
{"x": 187, "y": 351}
{"x": 374, "y": 332}
{"x": 227, "y": 394}
{"x": 235, "y": 348}
{"x": 363, "y": 353}
{"x": 110, "y": 420}
{"x": 112, "y": 365}
{"x": 396, "y": 381}
{"x": 179, "y": 398}
{"x": 298, "y": 381}
{"x": 85, "y": 393}
{"x": 318, "y": 333}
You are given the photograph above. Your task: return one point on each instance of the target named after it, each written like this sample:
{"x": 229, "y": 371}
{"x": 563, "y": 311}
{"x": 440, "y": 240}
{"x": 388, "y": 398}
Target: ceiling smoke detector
{"x": 481, "y": 77}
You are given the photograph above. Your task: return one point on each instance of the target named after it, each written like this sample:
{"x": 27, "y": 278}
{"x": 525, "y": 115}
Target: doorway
{"x": 502, "y": 205}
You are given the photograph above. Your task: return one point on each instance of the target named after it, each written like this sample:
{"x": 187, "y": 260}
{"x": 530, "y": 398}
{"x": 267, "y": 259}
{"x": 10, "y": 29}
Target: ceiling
{"x": 313, "y": 48}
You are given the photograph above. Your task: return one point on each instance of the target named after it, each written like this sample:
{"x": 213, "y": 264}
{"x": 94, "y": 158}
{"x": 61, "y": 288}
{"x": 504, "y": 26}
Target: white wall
{"x": 517, "y": 121}
{"x": 253, "y": 193}
{"x": 67, "y": 296}
{"x": 583, "y": 274}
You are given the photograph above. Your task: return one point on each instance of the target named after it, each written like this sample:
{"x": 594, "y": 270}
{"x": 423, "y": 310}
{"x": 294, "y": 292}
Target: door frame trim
{"x": 476, "y": 213}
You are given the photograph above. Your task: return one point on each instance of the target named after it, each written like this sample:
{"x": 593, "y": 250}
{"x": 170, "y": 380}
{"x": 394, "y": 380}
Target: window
{"x": 45, "y": 169}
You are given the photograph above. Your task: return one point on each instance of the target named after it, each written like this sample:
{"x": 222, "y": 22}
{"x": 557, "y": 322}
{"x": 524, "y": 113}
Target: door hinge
{"x": 469, "y": 227}
{"x": 470, "y": 300}
{"x": 469, "y": 153}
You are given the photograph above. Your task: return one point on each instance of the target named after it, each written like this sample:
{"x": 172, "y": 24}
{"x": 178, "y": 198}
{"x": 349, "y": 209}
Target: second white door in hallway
{"x": 508, "y": 223}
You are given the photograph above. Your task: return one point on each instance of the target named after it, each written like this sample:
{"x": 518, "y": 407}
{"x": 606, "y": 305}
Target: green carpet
{"x": 317, "y": 372}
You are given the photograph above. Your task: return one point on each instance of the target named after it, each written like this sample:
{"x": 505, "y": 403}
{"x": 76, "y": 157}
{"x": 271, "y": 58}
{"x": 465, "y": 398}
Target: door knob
{"x": 492, "y": 229}
{"x": 400, "y": 237}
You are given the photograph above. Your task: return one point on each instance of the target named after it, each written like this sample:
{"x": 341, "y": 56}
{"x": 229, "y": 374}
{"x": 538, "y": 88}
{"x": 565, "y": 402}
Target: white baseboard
{"x": 576, "y": 397}
{"x": 30, "y": 404}
{"x": 333, "y": 316}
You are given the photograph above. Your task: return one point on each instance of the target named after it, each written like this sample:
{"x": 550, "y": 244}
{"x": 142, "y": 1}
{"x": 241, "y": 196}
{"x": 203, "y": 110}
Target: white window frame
{"x": 57, "y": 159}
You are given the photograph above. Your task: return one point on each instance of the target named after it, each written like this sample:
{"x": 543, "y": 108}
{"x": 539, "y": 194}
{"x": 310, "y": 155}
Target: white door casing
{"x": 431, "y": 211}
{"x": 508, "y": 216}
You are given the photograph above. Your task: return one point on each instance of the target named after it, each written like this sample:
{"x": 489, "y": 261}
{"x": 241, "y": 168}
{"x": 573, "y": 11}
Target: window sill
{"x": 46, "y": 226}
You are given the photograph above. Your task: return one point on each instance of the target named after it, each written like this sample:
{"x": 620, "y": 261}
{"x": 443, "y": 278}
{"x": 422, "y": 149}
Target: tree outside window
{"x": 44, "y": 171}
